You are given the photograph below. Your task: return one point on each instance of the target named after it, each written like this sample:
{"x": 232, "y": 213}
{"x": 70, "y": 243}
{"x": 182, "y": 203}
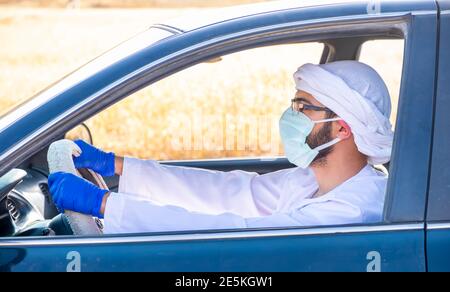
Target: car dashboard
{"x": 26, "y": 207}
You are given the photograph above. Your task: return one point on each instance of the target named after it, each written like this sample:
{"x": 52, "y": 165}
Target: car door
{"x": 438, "y": 211}
{"x": 397, "y": 244}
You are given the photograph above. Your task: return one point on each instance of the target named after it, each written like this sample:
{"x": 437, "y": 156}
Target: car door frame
{"x": 396, "y": 245}
{"x": 437, "y": 217}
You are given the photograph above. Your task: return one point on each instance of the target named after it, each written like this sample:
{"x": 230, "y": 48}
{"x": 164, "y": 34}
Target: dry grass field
{"x": 223, "y": 109}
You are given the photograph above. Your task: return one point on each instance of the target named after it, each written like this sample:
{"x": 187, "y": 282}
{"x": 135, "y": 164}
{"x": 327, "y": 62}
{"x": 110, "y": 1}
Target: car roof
{"x": 204, "y": 17}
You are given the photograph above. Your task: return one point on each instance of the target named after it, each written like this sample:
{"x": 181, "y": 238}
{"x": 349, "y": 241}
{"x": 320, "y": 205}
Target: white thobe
{"x": 155, "y": 197}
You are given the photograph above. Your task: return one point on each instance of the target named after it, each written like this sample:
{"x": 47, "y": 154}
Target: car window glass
{"x": 187, "y": 115}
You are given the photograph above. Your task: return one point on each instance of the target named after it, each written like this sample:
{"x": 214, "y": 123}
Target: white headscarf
{"x": 357, "y": 94}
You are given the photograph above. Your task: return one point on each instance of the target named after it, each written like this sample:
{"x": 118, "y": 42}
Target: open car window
{"x": 227, "y": 107}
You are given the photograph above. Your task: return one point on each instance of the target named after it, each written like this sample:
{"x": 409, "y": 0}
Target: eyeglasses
{"x": 298, "y": 105}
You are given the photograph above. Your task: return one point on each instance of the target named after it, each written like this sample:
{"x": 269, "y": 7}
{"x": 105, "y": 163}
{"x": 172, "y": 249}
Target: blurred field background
{"x": 224, "y": 109}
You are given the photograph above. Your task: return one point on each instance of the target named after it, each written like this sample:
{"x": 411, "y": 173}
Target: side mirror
{"x": 81, "y": 131}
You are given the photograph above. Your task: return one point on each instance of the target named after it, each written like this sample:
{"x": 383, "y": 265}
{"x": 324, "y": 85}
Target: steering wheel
{"x": 59, "y": 157}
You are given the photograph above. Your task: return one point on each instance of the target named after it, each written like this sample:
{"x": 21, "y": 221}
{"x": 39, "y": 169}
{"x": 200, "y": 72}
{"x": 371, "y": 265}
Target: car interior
{"x": 26, "y": 207}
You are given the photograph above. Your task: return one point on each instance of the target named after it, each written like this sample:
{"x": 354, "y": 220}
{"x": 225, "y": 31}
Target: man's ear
{"x": 345, "y": 131}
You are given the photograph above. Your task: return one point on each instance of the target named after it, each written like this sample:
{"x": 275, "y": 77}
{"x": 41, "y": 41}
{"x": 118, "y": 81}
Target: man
{"x": 336, "y": 128}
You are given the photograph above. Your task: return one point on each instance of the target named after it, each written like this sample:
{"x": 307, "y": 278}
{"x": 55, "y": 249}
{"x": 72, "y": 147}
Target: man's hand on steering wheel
{"x": 74, "y": 193}
{"x": 93, "y": 158}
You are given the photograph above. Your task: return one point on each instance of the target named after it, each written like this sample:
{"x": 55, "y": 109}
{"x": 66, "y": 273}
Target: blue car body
{"x": 415, "y": 233}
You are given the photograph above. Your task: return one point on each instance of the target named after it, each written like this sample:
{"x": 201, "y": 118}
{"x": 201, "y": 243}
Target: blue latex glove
{"x": 71, "y": 192}
{"x": 99, "y": 161}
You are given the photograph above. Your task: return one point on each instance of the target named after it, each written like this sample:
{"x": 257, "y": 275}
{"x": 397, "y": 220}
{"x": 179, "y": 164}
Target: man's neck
{"x": 334, "y": 172}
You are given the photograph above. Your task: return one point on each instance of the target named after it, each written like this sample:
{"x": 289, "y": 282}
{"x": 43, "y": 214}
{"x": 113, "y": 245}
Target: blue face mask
{"x": 294, "y": 129}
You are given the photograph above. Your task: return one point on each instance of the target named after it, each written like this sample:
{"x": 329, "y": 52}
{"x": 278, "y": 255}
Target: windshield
{"x": 136, "y": 43}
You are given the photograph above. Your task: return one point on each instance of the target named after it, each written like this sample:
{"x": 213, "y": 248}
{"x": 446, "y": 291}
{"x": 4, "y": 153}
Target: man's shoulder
{"x": 367, "y": 192}
{"x": 369, "y": 185}
{"x": 370, "y": 174}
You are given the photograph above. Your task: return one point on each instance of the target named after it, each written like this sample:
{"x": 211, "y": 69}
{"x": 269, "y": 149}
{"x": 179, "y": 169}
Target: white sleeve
{"x": 125, "y": 214}
{"x": 132, "y": 215}
{"x": 200, "y": 190}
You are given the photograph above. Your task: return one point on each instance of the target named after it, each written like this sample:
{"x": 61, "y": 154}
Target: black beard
{"x": 321, "y": 137}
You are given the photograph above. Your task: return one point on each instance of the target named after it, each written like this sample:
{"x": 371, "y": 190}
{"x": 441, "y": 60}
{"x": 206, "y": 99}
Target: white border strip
{"x": 438, "y": 226}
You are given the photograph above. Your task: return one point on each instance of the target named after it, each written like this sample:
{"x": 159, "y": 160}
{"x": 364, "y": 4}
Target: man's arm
{"x": 128, "y": 215}
{"x": 195, "y": 189}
